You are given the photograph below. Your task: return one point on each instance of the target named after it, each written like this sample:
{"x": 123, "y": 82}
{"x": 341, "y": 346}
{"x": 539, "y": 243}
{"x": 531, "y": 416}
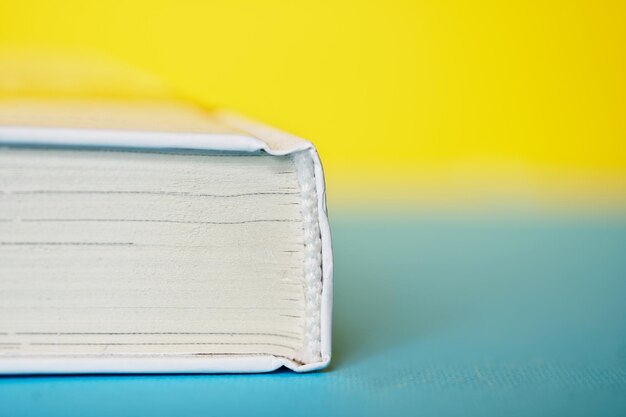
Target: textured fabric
{"x": 433, "y": 317}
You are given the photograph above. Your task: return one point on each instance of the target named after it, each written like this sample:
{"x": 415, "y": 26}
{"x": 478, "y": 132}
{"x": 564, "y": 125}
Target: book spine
{"x": 312, "y": 256}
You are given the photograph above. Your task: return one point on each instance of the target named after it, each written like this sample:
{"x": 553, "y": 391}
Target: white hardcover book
{"x": 154, "y": 236}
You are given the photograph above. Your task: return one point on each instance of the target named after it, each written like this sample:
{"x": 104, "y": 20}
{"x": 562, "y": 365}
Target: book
{"x": 156, "y": 236}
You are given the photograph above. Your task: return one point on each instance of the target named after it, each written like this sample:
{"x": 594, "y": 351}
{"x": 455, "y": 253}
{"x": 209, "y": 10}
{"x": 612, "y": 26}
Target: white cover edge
{"x": 196, "y": 141}
{"x": 138, "y": 365}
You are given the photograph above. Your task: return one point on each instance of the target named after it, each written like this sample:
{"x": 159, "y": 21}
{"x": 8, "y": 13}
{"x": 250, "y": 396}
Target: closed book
{"x": 156, "y": 236}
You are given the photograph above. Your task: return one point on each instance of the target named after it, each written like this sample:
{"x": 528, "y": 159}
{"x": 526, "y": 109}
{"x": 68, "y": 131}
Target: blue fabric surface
{"x": 484, "y": 317}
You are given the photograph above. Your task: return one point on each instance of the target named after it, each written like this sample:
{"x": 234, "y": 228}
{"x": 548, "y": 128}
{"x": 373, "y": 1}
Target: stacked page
{"x": 202, "y": 246}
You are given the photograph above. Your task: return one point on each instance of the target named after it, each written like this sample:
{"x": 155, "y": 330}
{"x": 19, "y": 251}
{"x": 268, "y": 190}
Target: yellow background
{"x": 443, "y": 104}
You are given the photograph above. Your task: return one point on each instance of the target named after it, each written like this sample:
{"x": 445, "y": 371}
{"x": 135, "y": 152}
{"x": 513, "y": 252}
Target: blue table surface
{"x": 498, "y": 316}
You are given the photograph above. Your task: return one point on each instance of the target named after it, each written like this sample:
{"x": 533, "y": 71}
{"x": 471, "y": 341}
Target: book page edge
{"x": 196, "y": 141}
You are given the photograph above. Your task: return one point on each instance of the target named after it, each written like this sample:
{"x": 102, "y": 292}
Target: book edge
{"x": 254, "y": 137}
